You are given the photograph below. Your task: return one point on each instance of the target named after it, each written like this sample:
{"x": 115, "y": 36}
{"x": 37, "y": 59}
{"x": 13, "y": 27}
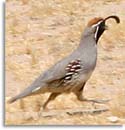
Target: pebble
{"x": 113, "y": 119}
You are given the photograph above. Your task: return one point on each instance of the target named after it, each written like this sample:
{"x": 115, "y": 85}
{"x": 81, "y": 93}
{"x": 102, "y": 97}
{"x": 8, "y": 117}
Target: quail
{"x": 71, "y": 73}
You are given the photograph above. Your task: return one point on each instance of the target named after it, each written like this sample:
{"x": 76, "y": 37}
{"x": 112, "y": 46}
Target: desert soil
{"x": 41, "y": 32}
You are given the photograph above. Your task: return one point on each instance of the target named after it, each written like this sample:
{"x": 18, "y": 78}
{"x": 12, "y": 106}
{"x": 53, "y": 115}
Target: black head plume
{"x": 101, "y": 26}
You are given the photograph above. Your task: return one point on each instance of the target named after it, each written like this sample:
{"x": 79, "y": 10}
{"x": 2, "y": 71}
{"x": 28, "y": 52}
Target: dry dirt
{"x": 41, "y": 32}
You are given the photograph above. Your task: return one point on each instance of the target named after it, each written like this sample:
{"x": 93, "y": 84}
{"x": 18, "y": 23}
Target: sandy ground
{"x": 41, "y": 32}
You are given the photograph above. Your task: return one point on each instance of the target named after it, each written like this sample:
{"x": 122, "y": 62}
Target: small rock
{"x": 113, "y": 119}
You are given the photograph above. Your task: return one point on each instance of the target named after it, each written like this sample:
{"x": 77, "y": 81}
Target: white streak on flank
{"x": 36, "y": 89}
{"x": 77, "y": 70}
{"x": 72, "y": 69}
{"x": 69, "y": 77}
{"x": 69, "y": 65}
{"x": 74, "y": 66}
{"x": 78, "y": 65}
{"x": 69, "y": 73}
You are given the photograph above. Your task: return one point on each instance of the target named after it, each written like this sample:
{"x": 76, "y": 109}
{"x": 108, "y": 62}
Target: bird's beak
{"x": 106, "y": 27}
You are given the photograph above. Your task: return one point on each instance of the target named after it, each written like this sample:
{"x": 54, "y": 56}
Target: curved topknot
{"x": 94, "y": 21}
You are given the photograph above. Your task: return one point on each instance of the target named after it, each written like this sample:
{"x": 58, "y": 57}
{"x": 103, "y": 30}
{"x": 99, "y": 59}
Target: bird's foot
{"x": 101, "y": 101}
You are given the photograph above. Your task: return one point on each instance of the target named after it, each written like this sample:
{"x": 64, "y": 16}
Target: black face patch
{"x": 101, "y": 29}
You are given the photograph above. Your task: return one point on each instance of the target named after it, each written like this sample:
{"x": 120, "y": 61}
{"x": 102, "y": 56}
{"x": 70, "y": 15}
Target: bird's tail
{"x": 35, "y": 88}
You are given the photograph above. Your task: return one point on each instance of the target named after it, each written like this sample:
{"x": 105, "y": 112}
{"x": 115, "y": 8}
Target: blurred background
{"x": 41, "y": 32}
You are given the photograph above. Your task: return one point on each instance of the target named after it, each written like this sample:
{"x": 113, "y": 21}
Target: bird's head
{"x": 98, "y": 25}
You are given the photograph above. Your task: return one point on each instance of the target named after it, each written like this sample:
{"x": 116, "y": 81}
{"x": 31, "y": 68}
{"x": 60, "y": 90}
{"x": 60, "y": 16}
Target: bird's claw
{"x": 97, "y": 100}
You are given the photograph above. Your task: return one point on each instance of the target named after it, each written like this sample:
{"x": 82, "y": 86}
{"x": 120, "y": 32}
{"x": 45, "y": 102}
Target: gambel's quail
{"x": 71, "y": 73}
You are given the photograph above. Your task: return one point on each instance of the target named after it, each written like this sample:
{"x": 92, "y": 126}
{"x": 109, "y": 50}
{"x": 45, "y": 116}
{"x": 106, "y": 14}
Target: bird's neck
{"x": 87, "y": 41}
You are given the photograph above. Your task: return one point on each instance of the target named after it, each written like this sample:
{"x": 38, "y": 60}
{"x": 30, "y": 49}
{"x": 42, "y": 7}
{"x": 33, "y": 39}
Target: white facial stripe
{"x": 96, "y": 25}
{"x": 96, "y": 32}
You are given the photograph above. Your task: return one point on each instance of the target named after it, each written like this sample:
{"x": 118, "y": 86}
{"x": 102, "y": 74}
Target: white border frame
{"x": 2, "y": 84}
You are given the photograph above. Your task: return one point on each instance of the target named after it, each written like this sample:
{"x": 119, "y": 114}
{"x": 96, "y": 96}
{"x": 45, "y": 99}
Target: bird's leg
{"x": 51, "y": 97}
{"x": 101, "y": 101}
{"x": 80, "y": 97}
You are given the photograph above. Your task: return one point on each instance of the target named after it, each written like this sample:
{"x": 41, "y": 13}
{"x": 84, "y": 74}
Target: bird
{"x": 72, "y": 72}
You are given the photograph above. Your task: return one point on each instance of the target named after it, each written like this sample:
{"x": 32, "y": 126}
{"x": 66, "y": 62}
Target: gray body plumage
{"x": 52, "y": 80}
{"x": 71, "y": 73}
